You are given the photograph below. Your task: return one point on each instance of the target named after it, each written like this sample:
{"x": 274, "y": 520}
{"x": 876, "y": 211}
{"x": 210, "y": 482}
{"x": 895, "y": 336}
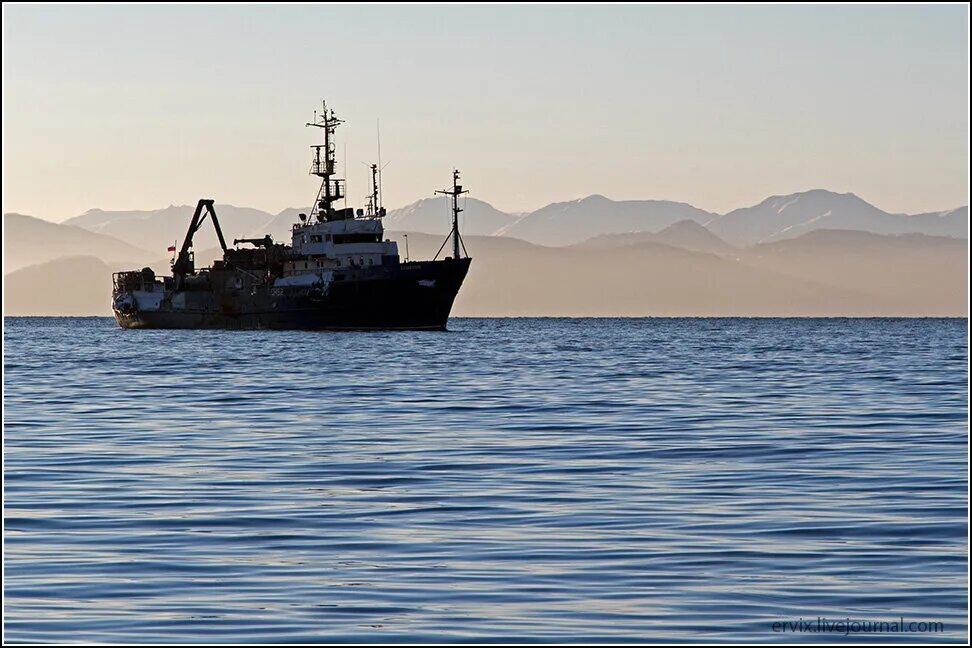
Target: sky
{"x": 140, "y": 107}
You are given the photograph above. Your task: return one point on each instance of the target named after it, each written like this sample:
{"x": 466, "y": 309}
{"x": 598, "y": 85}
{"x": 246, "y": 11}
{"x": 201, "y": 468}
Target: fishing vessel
{"x": 337, "y": 272}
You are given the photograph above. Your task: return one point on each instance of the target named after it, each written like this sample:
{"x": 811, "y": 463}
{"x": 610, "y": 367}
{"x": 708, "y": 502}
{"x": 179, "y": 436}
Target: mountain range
{"x": 825, "y": 273}
{"x": 811, "y": 253}
{"x": 159, "y": 228}
{"x": 28, "y": 240}
{"x": 434, "y": 216}
{"x": 565, "y": 223}
{"x": 782, "y": 217}
{"x": 686, "y": 234}
{"x": 562, "y": 223}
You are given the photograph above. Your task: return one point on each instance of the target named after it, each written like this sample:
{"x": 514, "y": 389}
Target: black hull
{"x": 410, "y": 296}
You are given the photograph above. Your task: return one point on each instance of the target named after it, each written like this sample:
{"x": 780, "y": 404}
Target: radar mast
{"x": 332, "y": 188}
{"x": 374, "y": 198}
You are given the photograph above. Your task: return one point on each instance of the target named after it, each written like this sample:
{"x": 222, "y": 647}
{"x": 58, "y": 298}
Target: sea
{"x": 509, "y": 480}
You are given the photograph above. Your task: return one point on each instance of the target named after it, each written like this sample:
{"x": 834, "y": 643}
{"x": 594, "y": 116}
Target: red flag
{"x": 171, "y": 248}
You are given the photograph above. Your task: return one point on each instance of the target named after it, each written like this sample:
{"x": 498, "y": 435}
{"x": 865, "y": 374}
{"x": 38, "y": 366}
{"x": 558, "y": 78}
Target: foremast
{"x": 455, "y": 192}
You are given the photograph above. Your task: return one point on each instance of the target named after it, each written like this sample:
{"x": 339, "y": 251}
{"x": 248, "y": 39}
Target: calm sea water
{"x": 535, "y": 479}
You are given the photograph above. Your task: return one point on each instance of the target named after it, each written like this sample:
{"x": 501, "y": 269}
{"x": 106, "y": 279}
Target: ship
{"x": 338, "y": 272}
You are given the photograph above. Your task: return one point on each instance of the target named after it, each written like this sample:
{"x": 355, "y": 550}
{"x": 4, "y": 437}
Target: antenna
{"x": 378, "y": 189}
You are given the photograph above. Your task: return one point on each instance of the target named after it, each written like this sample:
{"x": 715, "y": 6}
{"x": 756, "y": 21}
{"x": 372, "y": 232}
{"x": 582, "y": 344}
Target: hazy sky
{"x": 123, "y": 107}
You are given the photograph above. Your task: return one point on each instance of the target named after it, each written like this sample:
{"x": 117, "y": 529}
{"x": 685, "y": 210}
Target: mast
{"x": 332, "y": 188}
{"x": 375, "y": 204}
{"x": 455, "y": 192}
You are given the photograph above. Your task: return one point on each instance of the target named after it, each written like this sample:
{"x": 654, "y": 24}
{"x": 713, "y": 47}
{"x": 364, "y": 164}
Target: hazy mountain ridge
{"x": 809, "y": 263}
{"x": 687, "y": 234}
{"x": 280, "y": 225}
{"x": 512, "y": 277}
{"x": 36, "y": 241}
{"x": 157, "y": 229}
{"x": 433, "y": 216}
{"x": 74, "y": 285}
{"x": 561, "y": 223}
{"x": 824, "y": 273}
{"x": 780, "y": 217}
{"x": 566, "y": 223}
{"x": 908, "y": 272}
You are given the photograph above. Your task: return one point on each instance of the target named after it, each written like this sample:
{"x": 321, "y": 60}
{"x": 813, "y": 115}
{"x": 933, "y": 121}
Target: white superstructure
{"x": 343, "y": 241}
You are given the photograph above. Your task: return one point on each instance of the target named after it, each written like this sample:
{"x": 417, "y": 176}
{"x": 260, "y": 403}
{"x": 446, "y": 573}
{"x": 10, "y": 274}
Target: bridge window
{"x": 357, "y": 238}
